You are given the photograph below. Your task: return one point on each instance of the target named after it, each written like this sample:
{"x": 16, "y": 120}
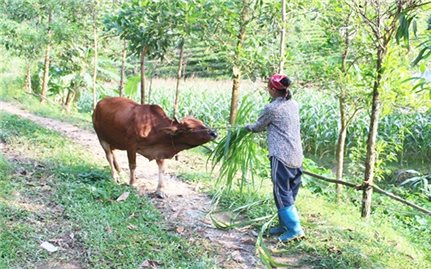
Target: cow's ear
{"x": 171, "y": 130}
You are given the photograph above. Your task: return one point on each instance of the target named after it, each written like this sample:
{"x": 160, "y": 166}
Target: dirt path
{"x": 184, "y": 208}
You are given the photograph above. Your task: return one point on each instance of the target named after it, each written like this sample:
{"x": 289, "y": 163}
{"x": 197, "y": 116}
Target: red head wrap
{"x": 275, "y": 82}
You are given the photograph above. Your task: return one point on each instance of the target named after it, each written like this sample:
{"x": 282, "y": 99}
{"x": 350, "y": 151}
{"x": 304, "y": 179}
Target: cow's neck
{"x": 180, "y": 145}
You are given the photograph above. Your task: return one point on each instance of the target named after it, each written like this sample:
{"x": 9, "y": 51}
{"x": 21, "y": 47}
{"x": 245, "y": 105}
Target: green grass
{"x": 337, "y": 237}
{"x": 55, "y": 192}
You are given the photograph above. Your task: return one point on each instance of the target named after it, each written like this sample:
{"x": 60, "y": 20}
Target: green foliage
{"x": 255, "y": 54}
{"x": 131, "y": 87}
{"x": 145, "y": 25}
{"x": 21, "y": 38}
{"x": 421, "y": 182}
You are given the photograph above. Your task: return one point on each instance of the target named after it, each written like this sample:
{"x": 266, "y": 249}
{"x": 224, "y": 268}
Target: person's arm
{"x": 262, "y": 122}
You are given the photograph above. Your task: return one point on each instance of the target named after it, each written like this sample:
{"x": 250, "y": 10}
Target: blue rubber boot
{"x": 278, "y": 229}
{"x": 290, "y": 220}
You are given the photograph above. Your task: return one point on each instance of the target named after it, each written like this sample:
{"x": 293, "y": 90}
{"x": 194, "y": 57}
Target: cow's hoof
{"x": 160, "y": 194}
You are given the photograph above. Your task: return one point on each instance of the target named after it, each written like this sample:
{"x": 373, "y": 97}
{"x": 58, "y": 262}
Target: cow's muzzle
{"x": 212, "y": 133}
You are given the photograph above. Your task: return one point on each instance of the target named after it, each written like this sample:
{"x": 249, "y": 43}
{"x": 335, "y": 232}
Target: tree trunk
{"x": 282, "y": 36}
{"x": 123, "y": 69}
{"x": 236, "y": 69}
{"x": 150, "y": 87}
{"x": 46, "y": 62}
{"x": 370, "y": 161}
{"x": 27, "y": 81}
{"x": 342, "y": 134}
{"x": 184, "y": 70}
{"x": 235, "y": 94}
{"x": 177, "y": 87}
{"x": 95, "y": 57}
{"x": 341, "y": 145}
{"x": 143, "y": 53}
{"x": 69, "y": 100}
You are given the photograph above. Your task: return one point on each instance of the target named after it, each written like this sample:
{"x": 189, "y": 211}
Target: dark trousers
{"x": 286, "y": 182}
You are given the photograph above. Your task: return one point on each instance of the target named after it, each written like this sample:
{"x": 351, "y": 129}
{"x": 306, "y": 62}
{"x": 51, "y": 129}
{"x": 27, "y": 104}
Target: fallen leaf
{"x": 150, "y": 264}
{"x": 123, "y": 196}
{"x": 180, "y": 230}
{"x": 49, "y": 247}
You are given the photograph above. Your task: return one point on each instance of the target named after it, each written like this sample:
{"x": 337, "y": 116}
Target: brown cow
{"x": 122, "y": 124}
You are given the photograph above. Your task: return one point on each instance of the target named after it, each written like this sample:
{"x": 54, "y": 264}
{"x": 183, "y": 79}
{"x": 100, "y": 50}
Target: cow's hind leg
{"x": 161, "y": 185}
{"x": 116, "y": 165}
{"x": 110, "y": 157}
{"x": 131, "y": 155}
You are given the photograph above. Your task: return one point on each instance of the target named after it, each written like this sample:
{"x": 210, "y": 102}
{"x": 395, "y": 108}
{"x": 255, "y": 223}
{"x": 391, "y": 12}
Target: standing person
{"x": 281, "y": 118}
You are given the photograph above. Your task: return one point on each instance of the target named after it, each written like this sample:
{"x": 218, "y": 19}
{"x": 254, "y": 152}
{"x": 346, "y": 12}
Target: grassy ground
{"x": 51, "y": 190}
{"x": 336, "y": 235}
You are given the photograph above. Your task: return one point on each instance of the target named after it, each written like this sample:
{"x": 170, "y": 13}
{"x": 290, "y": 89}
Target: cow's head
{"x": 190, "y": 131}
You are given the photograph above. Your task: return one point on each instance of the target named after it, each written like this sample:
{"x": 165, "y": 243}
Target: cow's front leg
{"x": 131, "y": 155}
{"x": 161, "y": 185}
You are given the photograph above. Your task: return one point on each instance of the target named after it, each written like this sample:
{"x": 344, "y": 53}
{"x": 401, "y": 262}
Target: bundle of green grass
{"x": 239, "y": 155}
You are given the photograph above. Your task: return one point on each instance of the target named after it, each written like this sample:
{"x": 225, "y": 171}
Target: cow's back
{"x": 113, "y": 120}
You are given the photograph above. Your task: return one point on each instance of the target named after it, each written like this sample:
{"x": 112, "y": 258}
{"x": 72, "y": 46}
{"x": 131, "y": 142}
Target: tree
{"x": 381, "y": 18}
{"x": 146, "y": 27}
{"x": 111, "y": 32}
{"x": 46, "y": 58}
{"x": 408, "y": 24}
{"x": 186, "y": 21}
{"x": 236, "y": 30}
{"x": 60, "y": 25}
{"x": 75, "y": 45}
{"x": 21, "y": 36}
{"x": 95, "y": 21}
{"x": 244, "y": 20}
{"x": 123, "y": 69}
{"x": 282, "y": 36}
{"x": 340, "y": 29}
